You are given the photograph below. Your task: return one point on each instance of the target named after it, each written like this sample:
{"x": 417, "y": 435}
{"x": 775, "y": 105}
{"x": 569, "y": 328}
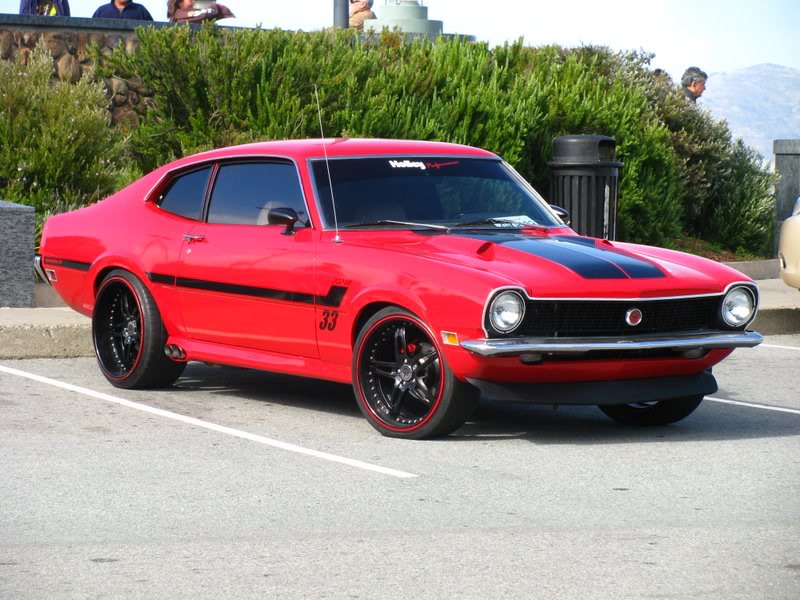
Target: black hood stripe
{"x": 580, "y": 255}
{"x": 635, "y": 268}
{"x": 584, "y": 264}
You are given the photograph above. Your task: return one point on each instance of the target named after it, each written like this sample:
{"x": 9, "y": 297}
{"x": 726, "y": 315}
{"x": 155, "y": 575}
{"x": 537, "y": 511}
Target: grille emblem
{"x": 633, "y": 317}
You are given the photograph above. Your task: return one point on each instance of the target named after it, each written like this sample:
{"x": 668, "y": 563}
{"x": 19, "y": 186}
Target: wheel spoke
{"x": 396, "y": 399}
{"x": 425, "y": 356}
{"x": 418, "y": 394}
{"x": 400, "y": 343}
{"x": 384, "y": 368}
{"x": 424, "y": 391}
{"x": 127, "y": 309}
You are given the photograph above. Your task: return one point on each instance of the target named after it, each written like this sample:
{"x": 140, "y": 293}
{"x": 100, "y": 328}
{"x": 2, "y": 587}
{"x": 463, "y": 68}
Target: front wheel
{"x": 402, "y": 383}
{"x": 660, "y": 412}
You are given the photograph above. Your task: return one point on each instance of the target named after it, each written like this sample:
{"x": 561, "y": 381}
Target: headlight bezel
{"x": 751, "y": 294}
{"x": 489, "y": 321}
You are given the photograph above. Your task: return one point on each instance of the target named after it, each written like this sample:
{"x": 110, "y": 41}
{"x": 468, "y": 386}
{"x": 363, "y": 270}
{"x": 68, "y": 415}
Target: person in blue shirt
{"x": 44, "y": 8}
{"x": 122, "y": 9}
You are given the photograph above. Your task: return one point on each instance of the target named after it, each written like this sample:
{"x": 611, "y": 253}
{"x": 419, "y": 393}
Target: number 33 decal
{"x": 329, "y": 318}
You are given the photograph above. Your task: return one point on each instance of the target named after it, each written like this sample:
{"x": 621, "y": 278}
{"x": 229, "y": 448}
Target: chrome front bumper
{"x": 679, "y": 342}
{"x": 37, "y": 266}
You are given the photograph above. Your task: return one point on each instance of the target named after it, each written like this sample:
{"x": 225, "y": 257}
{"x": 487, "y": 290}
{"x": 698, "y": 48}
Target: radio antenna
{"x": 336, "y": 239}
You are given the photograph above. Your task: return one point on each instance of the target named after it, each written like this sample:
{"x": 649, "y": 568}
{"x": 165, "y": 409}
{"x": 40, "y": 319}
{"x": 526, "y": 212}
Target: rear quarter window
{"x": 185, "y": 195}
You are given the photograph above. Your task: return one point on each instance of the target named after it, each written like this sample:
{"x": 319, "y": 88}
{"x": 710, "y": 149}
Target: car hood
{"x": 567, "y": 266}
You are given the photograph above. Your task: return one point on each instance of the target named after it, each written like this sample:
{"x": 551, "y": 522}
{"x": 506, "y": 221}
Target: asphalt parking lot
{"x": 239, "y": 484}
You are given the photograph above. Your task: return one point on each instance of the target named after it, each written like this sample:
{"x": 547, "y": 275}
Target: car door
{"x": 241, "y": 281}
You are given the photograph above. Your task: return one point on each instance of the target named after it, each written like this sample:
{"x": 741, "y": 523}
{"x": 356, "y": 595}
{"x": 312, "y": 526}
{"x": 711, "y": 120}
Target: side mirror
{"x": 563, "y": 214}
{"x": 283, "y": 216}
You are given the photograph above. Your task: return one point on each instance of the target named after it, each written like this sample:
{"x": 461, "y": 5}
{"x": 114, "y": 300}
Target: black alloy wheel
{"x": 129, "y": 336}
{"x": 402, "y": 382}
{"x": 118, "y": 333}
{"x": 660, "y": 412}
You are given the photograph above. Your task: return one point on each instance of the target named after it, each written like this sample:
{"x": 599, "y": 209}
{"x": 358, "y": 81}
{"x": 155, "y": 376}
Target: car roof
{"x": 342, "y": 147}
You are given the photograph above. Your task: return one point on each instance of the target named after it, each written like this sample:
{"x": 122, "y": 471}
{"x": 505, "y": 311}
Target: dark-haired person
{"x": 122, "y": 9}
{"x": 44, "y": 8}
{"x": 184, "y": 11}
{"x": 694, "y": 83}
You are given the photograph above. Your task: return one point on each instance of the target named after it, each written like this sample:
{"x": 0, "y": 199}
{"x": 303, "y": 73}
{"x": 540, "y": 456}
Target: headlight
{"x": 506, "y": 311}
{"x": 738, "y": 307}
{"x": 796, "y": 210}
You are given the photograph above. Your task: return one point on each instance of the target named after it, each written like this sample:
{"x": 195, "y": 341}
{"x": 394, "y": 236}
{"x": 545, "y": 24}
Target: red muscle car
{"x": 423, "y": 273}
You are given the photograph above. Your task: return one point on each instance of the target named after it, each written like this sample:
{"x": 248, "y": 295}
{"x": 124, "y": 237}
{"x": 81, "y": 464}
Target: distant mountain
{"x": 761, "y": 104}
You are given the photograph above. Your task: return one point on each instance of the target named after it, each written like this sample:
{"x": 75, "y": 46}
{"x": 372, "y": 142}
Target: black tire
{"x": 129, "y": 336}
{"x": 402, "y": 382}
{"x": 648, "y": 414}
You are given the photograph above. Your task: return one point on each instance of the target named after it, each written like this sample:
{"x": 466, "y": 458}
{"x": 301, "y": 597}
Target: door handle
{"x": 193, "y": 237}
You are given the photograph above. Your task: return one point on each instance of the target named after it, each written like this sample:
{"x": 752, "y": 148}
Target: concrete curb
{"x": 44, "y": 333}
{"x": 45, "y": 341}
{"x": 758, "y": 269}
{"x": 778, "y": 321}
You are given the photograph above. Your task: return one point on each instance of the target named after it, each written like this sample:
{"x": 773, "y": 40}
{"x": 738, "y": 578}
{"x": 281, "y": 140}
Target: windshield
{"x": 408, "y": 192}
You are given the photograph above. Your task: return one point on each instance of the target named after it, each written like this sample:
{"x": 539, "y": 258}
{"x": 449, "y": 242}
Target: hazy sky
{"x": 716, "y": 35}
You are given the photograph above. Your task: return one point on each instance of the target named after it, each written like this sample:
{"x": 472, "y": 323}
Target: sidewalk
{"x": 63, "y": 333}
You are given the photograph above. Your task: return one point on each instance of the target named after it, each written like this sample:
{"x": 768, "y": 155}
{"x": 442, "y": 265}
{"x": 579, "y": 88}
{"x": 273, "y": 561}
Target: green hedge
{"x": 683, "y": 173}
{"x": 57, "y": 150}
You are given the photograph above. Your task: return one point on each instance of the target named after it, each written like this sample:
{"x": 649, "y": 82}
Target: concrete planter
{"x": 17, "y": 233}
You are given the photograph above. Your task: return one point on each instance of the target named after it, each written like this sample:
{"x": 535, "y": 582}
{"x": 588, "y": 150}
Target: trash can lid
{"x": 585, "y": 149}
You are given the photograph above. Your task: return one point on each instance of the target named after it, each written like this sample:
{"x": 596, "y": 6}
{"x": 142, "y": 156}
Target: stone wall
{"x": 68, "y": 40}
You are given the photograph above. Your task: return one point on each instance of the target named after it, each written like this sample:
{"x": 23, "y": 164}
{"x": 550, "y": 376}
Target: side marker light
{"x": 449, "y": 338}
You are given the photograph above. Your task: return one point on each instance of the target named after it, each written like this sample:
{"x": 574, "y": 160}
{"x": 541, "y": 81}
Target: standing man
{"x": 694, "y": 83}
{"x": 122, "y": 9}
{"x": 44, "y": 8}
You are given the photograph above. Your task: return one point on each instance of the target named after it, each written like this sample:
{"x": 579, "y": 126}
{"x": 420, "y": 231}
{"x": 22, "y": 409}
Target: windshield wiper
{"x": 494, "y": 221}
{"x": 403, "y": 223}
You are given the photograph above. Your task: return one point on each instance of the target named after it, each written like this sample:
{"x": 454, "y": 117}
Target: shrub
{"x": 216, "y": 88}
{"x": 57, "y": 151}
{"x": 728, "y": 195}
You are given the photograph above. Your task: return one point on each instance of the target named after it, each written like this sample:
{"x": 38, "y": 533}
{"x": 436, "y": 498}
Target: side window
{"x": 244, "y": 193}
{"x": 185, "y": 194}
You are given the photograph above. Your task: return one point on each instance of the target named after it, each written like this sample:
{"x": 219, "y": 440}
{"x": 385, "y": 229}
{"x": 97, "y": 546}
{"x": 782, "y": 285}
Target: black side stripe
{"x": 69, "y": 264}
{"x": 333, "y": 299}
{"x": 165, "y": 279}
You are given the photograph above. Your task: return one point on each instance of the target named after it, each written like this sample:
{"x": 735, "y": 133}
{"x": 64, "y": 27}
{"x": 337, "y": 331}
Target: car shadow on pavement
{"x": 270, "y": 388}
{"x": 587, "y": 425}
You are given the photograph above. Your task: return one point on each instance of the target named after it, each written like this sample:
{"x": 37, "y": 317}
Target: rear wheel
{"x": 129, "y": 336}
{"x": 661, "y": 412}
{"x": 402, "y": 382}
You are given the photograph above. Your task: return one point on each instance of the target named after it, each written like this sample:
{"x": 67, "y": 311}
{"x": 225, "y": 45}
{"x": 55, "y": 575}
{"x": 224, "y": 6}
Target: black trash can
{"x": 584, "y": 180}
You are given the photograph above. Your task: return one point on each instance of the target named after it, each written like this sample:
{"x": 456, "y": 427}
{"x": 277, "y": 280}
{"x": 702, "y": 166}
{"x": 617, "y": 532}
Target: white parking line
{"x": 781, "y": 347}
{"x": 206, "y": 425}
{"x": 748, "y": 404}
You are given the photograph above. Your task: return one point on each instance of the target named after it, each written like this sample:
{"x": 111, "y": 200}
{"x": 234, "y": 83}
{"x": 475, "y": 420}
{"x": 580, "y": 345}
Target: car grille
{"x": 590, "y": 318}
